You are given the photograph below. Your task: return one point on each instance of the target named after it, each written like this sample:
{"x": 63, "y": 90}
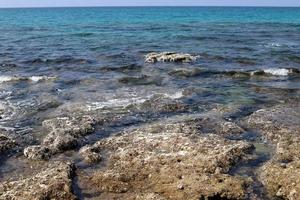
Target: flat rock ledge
{"x": 281, "y": 125}
{"x": 169, "y": 57}
{"x": 53, "y": 182}
{"x": 64, "y": 134}
{"x": 170, "y": 162}
{"x": 278, "y": 122}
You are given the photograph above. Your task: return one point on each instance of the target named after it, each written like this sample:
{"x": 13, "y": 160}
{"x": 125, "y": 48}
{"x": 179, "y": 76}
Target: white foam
{"x": 116, "y": 103}
{"x": 7, "y": 111}
{"x": 176, "y": 95}
{"x": 7, "y": 79}
{"x": 4, "y": 79}
{"x": 277, "y": 72}
{"x": 274, "y": 44}
{"x": 37, "y": 78}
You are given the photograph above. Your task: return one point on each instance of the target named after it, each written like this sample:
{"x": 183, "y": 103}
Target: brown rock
{"x": 282, "y": 181}
{"x": 64, "y": 134}
{"x": 90, "y": 154}
{"x": 53, "y": 182}
{"x": 6, "y": 143}
{"x": 173, "y": 162}
{"x": 281, "y": 125}
{"x": 37, "y": 152}
{"x": 277, "y": 122}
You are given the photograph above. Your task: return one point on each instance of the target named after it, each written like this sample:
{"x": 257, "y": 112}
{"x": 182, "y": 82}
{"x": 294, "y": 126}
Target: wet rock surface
{"x": 281, "y": 125}
{"x": 6, "y": 143}
{"x": 52, "y": 182}
{"x": 64, "y": 134}
{"x": 160, "y": 147}
{"x": 170, "y": 57}
{"x": 186, "y": 156}
{"x": 281, "y": 175}
{"x": 276, "y": 122}
{"x": 172, "y": 161}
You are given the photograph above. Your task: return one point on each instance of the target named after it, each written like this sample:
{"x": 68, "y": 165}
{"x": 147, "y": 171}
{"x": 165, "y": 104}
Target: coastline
{"x": 165, "y": 103}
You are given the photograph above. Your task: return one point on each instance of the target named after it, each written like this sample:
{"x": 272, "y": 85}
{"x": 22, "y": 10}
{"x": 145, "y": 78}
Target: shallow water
{"x": 55, "y": 60}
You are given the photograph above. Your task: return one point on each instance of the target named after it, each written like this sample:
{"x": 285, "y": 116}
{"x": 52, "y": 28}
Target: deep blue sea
{"x": 73, "y": 61}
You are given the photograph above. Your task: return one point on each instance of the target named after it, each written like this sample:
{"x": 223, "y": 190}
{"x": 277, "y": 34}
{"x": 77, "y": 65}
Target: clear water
{"x": 81, "y": 55}
{"x": 85, "y": 53}
{"x": 52, "y": 59}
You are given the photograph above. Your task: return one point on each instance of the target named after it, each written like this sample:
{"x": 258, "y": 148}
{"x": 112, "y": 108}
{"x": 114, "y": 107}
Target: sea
{"x": 55, "y": 59}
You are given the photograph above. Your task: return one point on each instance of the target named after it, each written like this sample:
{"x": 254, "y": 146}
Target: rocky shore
{"x": 189, "y": 156}
{"x": 161, "y": 146}
{"x": 281, "y": 125}
{"x": 169, "y": 161}
{"x": 52, "y": 182}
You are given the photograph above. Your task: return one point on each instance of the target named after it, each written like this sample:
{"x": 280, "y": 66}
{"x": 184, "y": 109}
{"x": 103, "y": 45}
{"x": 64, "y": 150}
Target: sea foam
{"x": 277, "y": 72}
{"x": 7, "y": 79}
{"x": 115, "y": 103}
{"x": 4, "y": 79}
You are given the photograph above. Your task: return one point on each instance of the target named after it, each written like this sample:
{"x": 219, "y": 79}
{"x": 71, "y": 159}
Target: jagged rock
{"x": 281, "y": 175}
{"x": 37, "y": 152}
{"x": 90, "y": 154}
{"x": 282, "y": 180}
{"x": 157, "y": 159}
{"x": 64, "y": 134}
{"x": 170, "y": 57}
{"x": 53, "y": 182}
{"x": 6, "y": 143}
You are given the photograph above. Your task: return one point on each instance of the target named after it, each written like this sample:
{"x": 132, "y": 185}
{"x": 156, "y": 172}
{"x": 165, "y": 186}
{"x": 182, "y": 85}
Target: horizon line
{"x": 131, "y": 6}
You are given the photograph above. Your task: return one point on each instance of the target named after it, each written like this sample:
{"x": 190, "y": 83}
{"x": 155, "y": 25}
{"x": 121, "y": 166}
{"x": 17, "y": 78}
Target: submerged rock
{"x": 172, "y": 161}
{"x": 160, "y": 103}
{"x": 238, "y": 74}
{"x": 53, "y": 182}
{"x": 170, "y": 57}
{"x": 64, "y": 134}
{"x": 141, "y": 80}
{"x": 185, "y": 72}
{"x": 123, "y": 69}
{"x": 260, "y": 74}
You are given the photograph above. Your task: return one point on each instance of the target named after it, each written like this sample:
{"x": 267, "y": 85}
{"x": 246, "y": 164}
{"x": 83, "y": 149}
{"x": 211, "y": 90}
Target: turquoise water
{"x": 91, "y": 61}
{"x": 85, "y": 54}
{"x": 252, "y": 33}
